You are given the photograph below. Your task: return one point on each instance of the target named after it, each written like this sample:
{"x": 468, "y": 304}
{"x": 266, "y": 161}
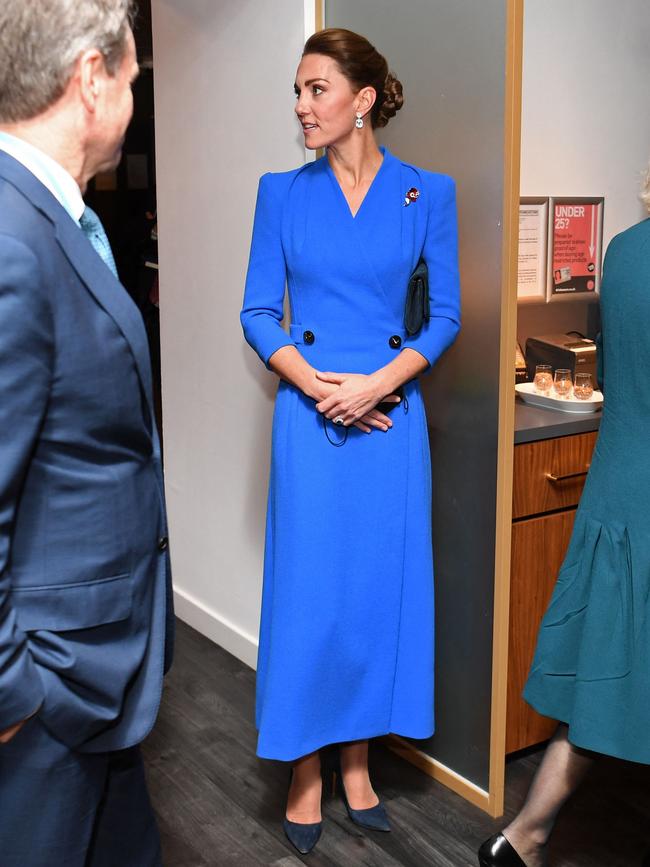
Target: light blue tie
{"x": 92, "y": 228}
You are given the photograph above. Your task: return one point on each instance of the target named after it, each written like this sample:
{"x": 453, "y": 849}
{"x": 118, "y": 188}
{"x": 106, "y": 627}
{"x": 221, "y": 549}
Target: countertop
{"x": 534, "y": 423}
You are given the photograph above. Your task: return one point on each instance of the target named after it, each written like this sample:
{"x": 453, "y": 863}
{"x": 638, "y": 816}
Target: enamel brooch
{"x": 411, "y": 196}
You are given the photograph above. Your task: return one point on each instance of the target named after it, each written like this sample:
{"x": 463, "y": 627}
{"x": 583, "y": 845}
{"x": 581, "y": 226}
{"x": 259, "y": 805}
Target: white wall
{"x": 586, "y": 115}
{"x": 224, "y": 101}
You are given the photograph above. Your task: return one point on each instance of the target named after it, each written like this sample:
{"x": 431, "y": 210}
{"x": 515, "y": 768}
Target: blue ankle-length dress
{"x": 346, "y": 636}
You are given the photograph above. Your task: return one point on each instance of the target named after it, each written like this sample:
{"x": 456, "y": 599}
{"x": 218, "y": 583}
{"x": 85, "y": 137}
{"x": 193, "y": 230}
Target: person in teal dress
{"x": 346, "y": 649}
{"x": 591, "y": 669}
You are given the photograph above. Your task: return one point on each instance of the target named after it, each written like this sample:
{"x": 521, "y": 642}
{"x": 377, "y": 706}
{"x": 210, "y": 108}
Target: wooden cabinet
{"x": 548, "y": 479}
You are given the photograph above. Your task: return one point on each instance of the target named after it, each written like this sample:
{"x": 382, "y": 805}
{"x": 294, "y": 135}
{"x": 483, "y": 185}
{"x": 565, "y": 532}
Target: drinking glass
{"x": 562, "y": 382}
{"x": 583, "y": 387}
{"x": 543, "y": 378}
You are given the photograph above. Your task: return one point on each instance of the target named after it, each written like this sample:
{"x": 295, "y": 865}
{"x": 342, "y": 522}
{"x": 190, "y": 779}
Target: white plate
{"x": 526, "y": 391}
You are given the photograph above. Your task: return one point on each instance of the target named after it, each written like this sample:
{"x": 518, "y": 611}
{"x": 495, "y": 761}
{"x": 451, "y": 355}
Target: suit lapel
{"x": 93, "y": 272}
{"x": 109, "y": 294}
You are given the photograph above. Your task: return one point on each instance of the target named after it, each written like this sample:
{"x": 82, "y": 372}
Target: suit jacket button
{"x": 163, "y": 543}
{"x": 395, "y": 341}
{"x": 308, "y": 337}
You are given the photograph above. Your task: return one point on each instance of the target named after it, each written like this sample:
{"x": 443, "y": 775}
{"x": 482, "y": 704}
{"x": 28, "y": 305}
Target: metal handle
{"x": 563, "y": 478}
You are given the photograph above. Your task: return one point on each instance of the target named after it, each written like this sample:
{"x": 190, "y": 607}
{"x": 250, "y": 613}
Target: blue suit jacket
{"x": 85, "y": 594}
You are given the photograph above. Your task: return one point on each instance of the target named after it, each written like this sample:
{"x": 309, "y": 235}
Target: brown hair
{"x": 363, "y": 66}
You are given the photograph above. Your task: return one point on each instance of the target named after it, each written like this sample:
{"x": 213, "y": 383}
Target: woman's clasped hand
{"x": 353, "y": 397}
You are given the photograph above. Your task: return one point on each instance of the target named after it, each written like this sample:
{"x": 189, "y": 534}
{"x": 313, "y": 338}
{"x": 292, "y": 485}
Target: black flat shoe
{"x": 302, "y": 837}
{"x": 497, "y": 852}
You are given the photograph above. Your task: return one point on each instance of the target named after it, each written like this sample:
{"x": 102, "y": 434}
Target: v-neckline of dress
{"x": 373, "y": 183}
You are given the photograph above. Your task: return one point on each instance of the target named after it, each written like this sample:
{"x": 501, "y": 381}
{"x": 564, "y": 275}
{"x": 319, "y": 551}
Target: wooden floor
{"x": 220, "y": 806}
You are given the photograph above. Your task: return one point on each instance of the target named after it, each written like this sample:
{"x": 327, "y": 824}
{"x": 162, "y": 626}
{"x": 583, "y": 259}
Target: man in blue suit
{"x": 85, "y": 601}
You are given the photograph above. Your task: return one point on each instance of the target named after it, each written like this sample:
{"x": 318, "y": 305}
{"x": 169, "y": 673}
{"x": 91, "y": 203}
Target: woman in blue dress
{"x": 346, "y": 637}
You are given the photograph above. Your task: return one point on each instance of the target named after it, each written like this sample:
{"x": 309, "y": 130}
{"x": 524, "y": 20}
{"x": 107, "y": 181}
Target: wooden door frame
{"x": 503, "y": 540}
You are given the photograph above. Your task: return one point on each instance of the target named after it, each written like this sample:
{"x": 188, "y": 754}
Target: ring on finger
{"x": 338, "y": 420}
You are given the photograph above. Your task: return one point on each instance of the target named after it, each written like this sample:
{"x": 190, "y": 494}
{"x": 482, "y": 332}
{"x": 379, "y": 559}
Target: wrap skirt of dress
{"x": 592, "y": 664}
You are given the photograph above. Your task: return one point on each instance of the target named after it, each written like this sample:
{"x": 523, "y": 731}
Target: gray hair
{"x": 40, "y": 41}
{"x": 645, "y": 189}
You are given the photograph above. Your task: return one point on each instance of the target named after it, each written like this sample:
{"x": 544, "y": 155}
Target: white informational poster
{"x": 533, "y": 237}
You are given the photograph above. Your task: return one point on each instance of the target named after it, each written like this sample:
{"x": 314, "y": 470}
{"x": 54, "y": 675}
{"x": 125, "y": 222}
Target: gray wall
{"x": 450, "y": 57}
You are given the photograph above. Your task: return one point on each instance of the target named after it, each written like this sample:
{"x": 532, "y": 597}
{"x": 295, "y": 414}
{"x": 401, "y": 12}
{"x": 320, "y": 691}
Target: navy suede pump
{"x": 302, "y": 837}
{"x": 373, "y": 818}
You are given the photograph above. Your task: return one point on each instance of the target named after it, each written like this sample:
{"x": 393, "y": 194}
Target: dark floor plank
{"x": 220, "y": 806}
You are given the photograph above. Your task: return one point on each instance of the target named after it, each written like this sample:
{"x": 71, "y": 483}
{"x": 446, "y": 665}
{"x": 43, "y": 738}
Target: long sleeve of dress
{"x": 441, "y": 255}
{"x": 262, "y": 311}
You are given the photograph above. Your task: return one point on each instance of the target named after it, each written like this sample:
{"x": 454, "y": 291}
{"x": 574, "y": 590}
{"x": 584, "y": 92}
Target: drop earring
{"x": 359, "y": 121}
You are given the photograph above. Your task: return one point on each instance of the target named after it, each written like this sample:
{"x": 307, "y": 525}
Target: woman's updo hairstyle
{"x": 363, "y": 66}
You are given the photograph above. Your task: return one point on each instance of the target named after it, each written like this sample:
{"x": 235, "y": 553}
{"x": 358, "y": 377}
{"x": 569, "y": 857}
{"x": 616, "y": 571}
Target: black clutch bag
{"x": 417, "y": 310}
{"x": 389, "y": 406}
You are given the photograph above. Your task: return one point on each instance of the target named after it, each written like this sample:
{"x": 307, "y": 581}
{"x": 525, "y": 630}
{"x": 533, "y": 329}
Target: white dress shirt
{"x": 50, "y": 173}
